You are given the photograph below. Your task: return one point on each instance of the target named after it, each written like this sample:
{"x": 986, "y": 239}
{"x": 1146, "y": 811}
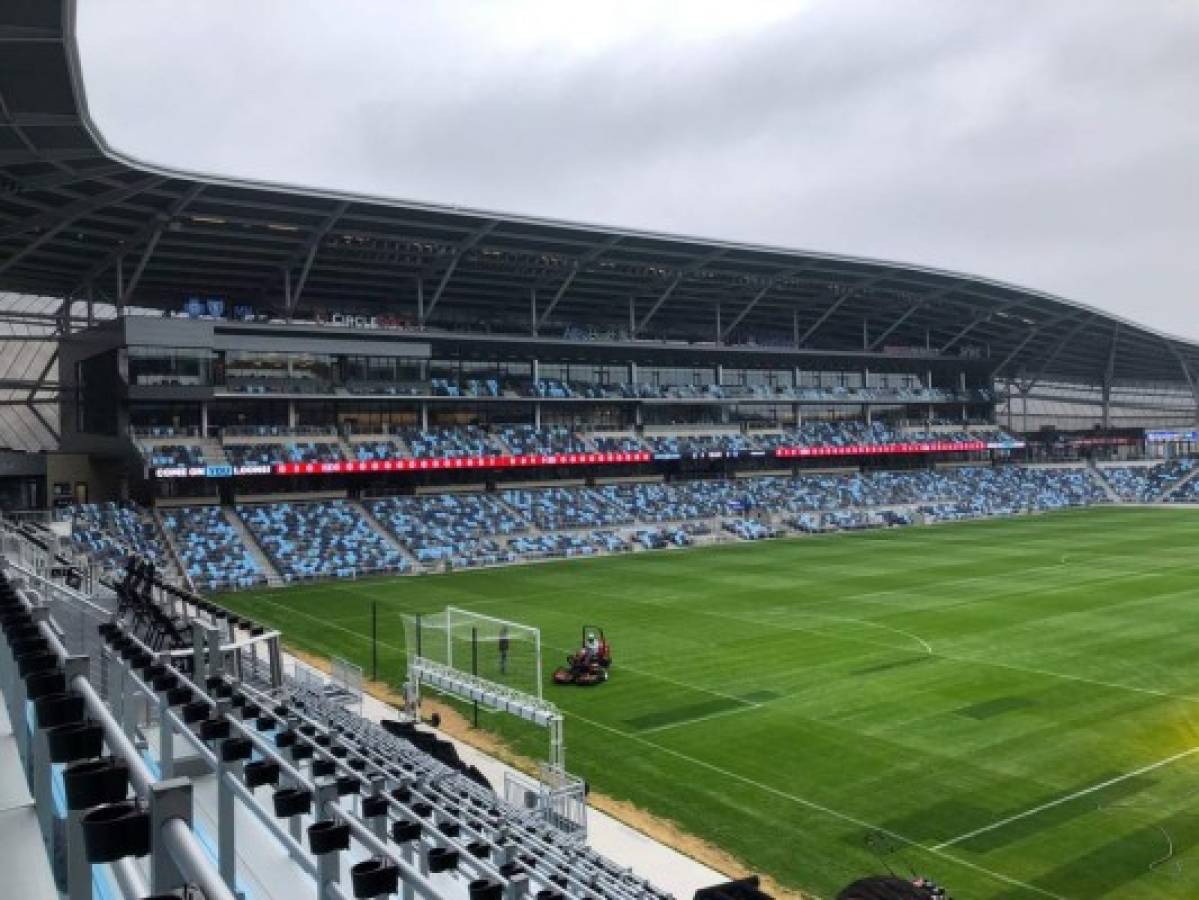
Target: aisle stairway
{"x": 252, "y": 546}
{"x": 387, "y": 536}
{"x": 1097, "y": 476}
{"x": 1178, "y": 485}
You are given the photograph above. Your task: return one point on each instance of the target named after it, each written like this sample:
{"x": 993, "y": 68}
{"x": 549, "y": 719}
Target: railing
{"x": 71, "y": 724}
{"x": 212, "y": 711}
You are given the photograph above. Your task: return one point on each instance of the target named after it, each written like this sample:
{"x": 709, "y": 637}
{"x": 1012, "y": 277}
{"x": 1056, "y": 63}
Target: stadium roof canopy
{"x": 77, "y": 216}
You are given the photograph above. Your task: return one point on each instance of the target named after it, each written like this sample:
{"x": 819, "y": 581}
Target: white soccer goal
{"x": 495, "y": 665}
{"x": 497, "y": 650}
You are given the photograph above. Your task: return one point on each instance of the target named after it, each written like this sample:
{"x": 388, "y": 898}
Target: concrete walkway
{"x": 23, "y": 857}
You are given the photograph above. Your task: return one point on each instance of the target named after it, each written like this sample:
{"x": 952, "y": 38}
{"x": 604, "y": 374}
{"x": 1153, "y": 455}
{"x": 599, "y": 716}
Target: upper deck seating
{"x": 525, "y": 440}
{"x": 450, "y": 443}
{"x": 265, "y": 454}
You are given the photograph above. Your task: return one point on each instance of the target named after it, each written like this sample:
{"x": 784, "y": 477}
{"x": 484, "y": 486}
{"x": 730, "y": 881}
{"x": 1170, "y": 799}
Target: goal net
{"x": 498, "y": 650}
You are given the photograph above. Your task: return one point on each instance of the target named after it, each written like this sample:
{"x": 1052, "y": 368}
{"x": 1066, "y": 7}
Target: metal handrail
{"x": 175, "y": 834}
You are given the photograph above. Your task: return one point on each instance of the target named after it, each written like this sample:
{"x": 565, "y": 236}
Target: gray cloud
{"x": 1054, "y": 145}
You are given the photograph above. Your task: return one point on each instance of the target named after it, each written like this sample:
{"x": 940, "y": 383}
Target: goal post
{"x": 495, "y": 664}
{"x": 498, "y": 650}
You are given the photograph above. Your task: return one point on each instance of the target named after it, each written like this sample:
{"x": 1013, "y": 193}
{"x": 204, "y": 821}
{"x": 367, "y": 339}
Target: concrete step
{"x": 1190, "y": 476}
{"x": 172, "y": 551}
{"x": 214, "y": 453}
{"x": 251, "y": 544}
{"x": 1097, "y": 476}
{"x": 385, "y": 533}
{"x": 530, "y": 529}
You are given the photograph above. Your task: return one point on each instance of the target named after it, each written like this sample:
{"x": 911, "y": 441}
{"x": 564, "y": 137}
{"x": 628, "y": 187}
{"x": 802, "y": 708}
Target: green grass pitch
{"x": 1010, "y": 706}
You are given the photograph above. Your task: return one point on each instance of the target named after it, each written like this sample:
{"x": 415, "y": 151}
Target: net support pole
{"x": 374, "y": 640}
{"x": 474, "y": 664}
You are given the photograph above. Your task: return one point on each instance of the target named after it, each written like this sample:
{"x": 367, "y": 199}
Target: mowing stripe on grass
{"x": 820, "y": 808}
{"x": 1161, "y": 763}
{"x": 719, "y": 714}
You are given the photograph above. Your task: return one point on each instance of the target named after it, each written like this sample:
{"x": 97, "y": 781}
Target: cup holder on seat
{"x": 114, "y": 831}
{"x": 374, "y": 878}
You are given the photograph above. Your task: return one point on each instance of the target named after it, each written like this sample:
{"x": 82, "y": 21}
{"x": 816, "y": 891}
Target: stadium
{"x": 324, "y": 514}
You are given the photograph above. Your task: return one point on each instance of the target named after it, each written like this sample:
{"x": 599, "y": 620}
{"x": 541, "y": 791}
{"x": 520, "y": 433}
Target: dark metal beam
{"x": 1049, "y": 360}
{"x": 662, "y": 298}
{"x": 984, "y": 316}
{"x": 589, "y": 257}
{"x": 911, "y": 310}
{"x": 824, "y": 317}
{"x": 65, "y": 215}
{"x": 41, "y": 379}
{"x": 311, "y": 246}
{"x": 694, "y": 266}
{"x": 757, "y": 298}
{"x": 1186, "y": 374}
{"x": 449, "y": 272}
{"x": 50, "y": 428}
{"x": 146, "y": 233}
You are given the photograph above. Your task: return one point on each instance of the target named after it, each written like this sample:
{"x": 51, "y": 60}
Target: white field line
{"x": 817, "y": 807}
{"x": 928, "y": 648}
{"x": 1060, "y": 800}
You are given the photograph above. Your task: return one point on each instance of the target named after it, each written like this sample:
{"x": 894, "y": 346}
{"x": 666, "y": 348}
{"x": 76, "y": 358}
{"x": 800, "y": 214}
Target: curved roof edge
{"x": 144, "y": 165}
{"x": 81, "y": 207}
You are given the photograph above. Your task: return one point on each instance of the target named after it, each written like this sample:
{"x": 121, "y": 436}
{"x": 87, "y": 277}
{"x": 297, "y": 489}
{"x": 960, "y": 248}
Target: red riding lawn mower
{"x": 590, "y": 665}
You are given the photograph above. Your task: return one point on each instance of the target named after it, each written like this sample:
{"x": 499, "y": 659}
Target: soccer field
{"x": 1010, "y": 706}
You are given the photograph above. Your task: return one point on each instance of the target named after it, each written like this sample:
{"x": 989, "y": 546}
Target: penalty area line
{"x": 1161, "y": 763}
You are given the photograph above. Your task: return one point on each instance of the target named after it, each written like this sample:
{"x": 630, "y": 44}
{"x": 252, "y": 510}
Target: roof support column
{"x": 1190, "y": 379}
{"x": 589, "y": 257}
{"x": 894, "y": 325}
{"x": 459, "y": 252}
{"x": 718, "y": 324}
{"x": 420, "y": 300}
{"x": 64, "y": 319}
{"x": 795, "y": 326}
{"x": 758, "y": 297}
{"x": 824, "y": 317}
{"x": 141, "y": 266}
{"x": 1109, "y": 373}
{"x": 663, "y": 297}
{"x": 120, "y": 298}
{"x": 287, "y": 294}
{"x": 533, "y": 310}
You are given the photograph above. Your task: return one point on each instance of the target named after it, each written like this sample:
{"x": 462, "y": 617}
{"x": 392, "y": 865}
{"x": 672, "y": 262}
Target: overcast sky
{"x": 1051, "y": 143}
